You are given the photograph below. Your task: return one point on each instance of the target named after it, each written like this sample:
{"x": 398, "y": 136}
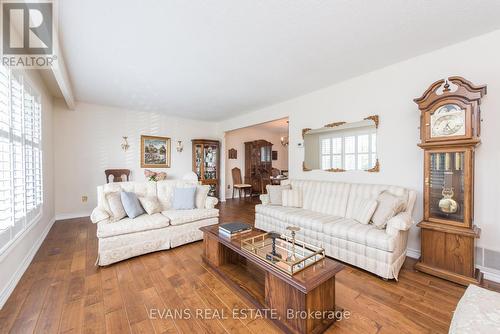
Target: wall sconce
{"x": 179, "y": 146}
{"x": 125, "y": 145}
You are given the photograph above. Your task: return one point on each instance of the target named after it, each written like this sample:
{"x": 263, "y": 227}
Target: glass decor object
{"x": 279, "y": 250}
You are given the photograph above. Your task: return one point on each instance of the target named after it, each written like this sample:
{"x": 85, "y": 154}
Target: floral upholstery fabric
{"x": 180, "y": 217}
{"x": 149, "y": 233}
{"x": 127, "y": 225}
{"x": 477, "y": 312}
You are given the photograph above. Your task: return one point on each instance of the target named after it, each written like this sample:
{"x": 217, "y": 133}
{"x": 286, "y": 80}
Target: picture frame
{"x": 233, "y": 154}
{"x": 274, "y": 155}
{"x": 155, "y": 152}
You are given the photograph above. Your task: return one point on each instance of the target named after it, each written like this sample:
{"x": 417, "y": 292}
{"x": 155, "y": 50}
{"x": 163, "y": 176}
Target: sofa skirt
{"x": 122, "y": 247}
{"x": 382, "y": 263}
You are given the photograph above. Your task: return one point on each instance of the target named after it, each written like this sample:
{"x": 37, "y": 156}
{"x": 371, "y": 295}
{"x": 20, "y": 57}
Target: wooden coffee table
{"x": 291, "y": 298}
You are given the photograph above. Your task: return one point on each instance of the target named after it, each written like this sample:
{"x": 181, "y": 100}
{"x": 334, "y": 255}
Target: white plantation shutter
{"x": 37, "y": 150}
{"x": 5, "y": 152}
{"x": 16, "y": 103}
{"x": 20, "y": 155}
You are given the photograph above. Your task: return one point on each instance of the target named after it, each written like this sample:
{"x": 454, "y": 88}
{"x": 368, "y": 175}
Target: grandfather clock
{"x": 450, "y": 127}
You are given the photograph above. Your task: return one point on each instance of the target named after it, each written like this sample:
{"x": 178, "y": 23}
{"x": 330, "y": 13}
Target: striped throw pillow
{"x": 292, "y": 198}
{"x": 364, "y": 210}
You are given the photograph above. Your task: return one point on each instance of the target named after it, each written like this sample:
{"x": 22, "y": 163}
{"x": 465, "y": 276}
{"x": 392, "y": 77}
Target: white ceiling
{"x": 216, "y": 59}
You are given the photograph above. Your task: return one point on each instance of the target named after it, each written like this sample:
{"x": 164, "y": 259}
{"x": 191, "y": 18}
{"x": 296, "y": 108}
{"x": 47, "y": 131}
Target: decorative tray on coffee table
{"x": 285, "y": 253}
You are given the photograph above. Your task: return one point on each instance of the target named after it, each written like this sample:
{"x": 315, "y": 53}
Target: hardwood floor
{"x": 63, "y": 291}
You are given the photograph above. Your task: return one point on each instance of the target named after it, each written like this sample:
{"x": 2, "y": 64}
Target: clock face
{"x": 448, "y": 120}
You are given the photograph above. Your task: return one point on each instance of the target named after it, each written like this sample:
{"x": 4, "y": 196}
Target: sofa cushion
{"x": 310, "y": 220}
{"x": 365, "y": 210}
{"x": 388, "y": 206}
{"x": 325, "y": 197}
{"x": 150, "y": 204}
{"x": 184, "y": 198}
{"x": 179, "y": 217}
{"x": 278, "y": 212}
{"x": 305, "y": 219}
{"x": 115, "y": 206}
{"x": 127, "y": 225}
{"x": 369, "y": 235}
{"x": 201, "y": 195}
{"x": 166, "y": 191}
{"x": 292, "y": 198}
{"x": 275, "y": 193}
{"x": 360, "y": 192}
{"x": 138, "y": 188}
{"x": 131, "y": 204}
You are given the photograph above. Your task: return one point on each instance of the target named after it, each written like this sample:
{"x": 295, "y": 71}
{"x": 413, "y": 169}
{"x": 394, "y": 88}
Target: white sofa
{"x": 127, "y": 237}
{"x": 326, "y": 220}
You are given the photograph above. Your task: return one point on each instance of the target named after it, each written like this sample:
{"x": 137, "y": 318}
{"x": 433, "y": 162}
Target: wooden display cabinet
{"x": 206, "y": 163}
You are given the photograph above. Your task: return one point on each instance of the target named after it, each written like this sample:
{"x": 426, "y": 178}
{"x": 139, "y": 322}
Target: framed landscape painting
{"x": 155, "y": 152}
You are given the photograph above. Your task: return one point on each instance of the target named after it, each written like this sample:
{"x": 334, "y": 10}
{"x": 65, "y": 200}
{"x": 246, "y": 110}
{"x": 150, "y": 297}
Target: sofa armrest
{"x": 98, "y": 215}
{"x": 264, "y": 198}
{"x": 211, "y": 202}
{"x": 401, "y": 222}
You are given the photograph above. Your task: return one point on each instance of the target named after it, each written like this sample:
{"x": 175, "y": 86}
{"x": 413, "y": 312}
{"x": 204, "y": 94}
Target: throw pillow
{"x": 364, "y": 210}
{"x": 115, "y": 206}
{"x": 131, "y": 204}
{"x": 201, "y": 196}
{"x": 275, "y": 194}
{"x": 184, "y": 198}
{"x": 388, "y": 206}
{"x": 292, "y": 198}
{"x": 150, "y": 204}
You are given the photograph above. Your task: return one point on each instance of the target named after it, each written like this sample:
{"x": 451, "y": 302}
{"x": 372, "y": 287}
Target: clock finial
{"x": 446, "y": 86}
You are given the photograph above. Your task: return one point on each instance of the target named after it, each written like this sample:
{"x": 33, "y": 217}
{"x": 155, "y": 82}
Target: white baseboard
{"x": 7, "y": 290}
{"x": 490, "y": 274}
{"x": 63, "y": 216}
{"x": 413, "y": 253}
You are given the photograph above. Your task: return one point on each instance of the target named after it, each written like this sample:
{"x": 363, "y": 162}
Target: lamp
{"x": 179, "y": 147}
{"x": 284, "y": 138}
{"x": 125, "y": 145}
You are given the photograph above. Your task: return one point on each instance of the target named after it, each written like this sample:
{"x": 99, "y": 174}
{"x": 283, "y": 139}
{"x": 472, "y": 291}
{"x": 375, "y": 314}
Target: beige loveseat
{"x": 127, "y": 237}
{"x": 326, "y": 220}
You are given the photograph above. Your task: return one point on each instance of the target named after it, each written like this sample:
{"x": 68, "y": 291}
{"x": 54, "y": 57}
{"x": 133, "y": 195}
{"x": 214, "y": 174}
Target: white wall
{"x": 237, "y": 138}
{"x": 389, "y": 92}
{"x": 88, "y": 141}
{"x": 17, "y": 256}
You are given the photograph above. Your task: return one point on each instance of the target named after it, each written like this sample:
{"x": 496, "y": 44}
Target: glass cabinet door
{"x": 448, "y": 187}
{"x": 210, "y": 160}
{"x": 198, "y": 156}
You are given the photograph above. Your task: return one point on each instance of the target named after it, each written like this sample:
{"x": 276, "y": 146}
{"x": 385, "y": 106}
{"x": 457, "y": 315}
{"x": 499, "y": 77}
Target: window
{"x": 349, "y": 151}
{"x": 21, "y": 194}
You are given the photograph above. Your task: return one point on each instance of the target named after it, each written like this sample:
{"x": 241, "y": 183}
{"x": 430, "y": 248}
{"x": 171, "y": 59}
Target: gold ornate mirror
{"x": 341, "y": 146}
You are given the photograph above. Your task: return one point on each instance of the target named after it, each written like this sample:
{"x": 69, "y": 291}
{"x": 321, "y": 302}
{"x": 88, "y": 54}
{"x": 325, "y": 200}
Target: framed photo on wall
{"x": 155, "y": 152}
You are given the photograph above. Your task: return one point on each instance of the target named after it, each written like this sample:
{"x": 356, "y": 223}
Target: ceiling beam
{"x": 61, "y": 76}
